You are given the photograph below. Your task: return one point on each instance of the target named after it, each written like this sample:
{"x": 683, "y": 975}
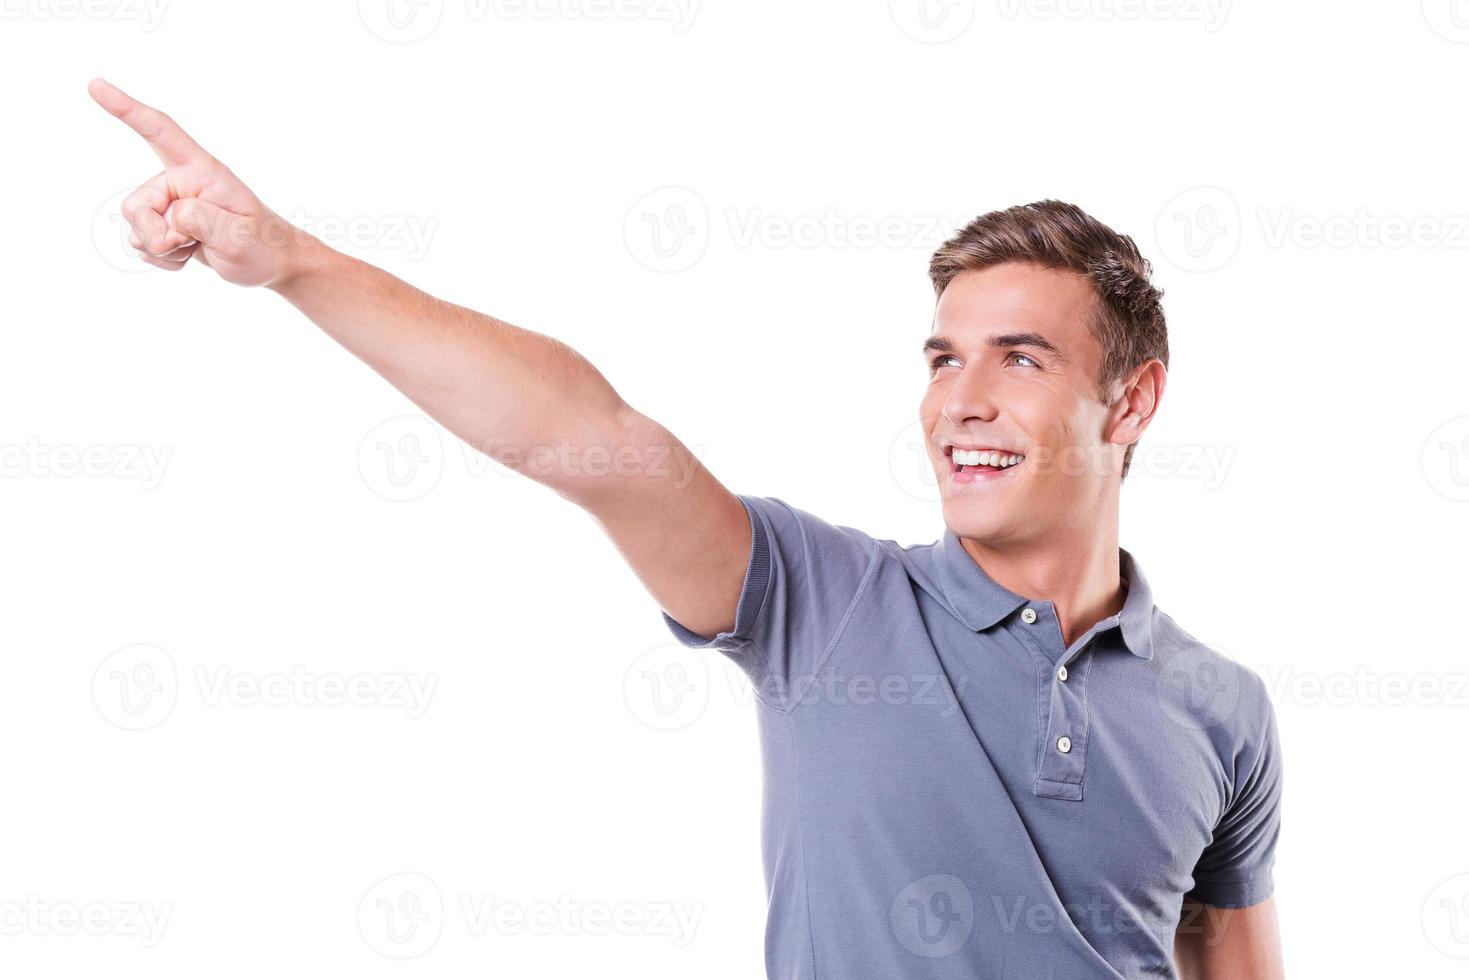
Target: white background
{"x": 199, "y": 484}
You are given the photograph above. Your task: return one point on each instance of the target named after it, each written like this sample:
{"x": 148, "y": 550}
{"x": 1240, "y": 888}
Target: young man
{"x": 991, "y": 756}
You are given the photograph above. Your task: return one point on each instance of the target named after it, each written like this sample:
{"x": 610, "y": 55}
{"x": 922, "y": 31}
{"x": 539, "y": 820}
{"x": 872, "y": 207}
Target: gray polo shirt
{"x": 951, "y": 791}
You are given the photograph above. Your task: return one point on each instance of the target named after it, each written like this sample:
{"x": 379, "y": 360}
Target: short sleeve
{"x": 1235, "y": 870}
{"x": 802, "y": 579}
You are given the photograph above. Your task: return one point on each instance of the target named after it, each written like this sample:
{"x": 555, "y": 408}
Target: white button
{"x": 1061, "y": 673}
{"x": 1028, "y": 615}
{"x": 1064, "y": 744}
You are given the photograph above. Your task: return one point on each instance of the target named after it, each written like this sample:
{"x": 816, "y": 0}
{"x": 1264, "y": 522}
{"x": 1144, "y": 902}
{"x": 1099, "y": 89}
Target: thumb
{"x": 204, "y": 222}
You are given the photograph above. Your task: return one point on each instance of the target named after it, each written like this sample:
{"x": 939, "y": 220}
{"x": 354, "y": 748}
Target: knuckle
{"x": 141, "y": 199}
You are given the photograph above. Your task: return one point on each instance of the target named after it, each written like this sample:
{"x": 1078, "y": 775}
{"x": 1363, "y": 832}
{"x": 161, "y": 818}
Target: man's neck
{"x": 1081, "y": 575}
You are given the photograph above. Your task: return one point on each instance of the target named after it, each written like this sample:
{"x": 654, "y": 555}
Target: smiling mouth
{"x": 981, "y": 462}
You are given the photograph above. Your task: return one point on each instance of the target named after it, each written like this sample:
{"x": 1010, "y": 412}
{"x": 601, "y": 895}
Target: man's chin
{"x": 974, "y": 520}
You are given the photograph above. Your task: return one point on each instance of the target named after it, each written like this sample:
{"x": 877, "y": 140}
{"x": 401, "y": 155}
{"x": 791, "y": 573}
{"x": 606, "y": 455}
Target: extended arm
{"x": 526, "y": 399}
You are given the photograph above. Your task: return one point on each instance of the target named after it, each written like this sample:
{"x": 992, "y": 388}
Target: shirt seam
{"x": 1089, "y": 652}
{"x": 1240, "y": 786}
{"x": 1263, "y": 876}
{"x": 801, "y": 836}
{"x": 760, "y": 534}
{"x": 1042, "y": 705}
{"x": 831, "y": 645}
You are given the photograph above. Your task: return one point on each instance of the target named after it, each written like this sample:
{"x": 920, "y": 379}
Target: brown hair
{"x": 1128, "y": 320}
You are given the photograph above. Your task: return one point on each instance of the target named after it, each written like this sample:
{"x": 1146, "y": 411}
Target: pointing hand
{"x": 196, "y": 207}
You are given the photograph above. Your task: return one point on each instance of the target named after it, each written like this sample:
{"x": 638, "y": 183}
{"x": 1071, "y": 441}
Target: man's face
{"x": 1012, "y": 373}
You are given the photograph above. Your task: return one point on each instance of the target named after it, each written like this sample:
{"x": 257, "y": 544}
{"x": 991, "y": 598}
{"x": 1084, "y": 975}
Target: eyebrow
{"x": 946, "y": 346}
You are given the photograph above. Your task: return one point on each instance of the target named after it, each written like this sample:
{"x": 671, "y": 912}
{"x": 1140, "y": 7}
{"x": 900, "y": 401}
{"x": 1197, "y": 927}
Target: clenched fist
{"x": 197, "y": 208}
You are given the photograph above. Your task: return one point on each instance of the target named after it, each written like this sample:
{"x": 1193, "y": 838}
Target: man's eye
{"x": 938, "y": 362}
{"x": 1029, "y": 361}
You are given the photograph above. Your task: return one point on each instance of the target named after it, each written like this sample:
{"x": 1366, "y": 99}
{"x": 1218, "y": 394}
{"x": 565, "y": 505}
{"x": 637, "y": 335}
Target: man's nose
{"x": 970, "y": 397}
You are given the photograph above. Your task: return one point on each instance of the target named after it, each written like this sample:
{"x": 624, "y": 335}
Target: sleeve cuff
{"x": 752, "y": 594}
{"x": 1232, "y": 894}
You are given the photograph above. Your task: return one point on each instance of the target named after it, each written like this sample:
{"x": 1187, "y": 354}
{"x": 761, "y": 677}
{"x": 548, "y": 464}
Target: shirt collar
{"x": 981, "y": 602}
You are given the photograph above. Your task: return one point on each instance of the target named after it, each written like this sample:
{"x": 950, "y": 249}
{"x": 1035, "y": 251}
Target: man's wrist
{"x": 304, "y": 257}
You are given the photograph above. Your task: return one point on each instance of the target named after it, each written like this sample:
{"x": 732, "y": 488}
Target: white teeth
{"x": 973, "y": 457}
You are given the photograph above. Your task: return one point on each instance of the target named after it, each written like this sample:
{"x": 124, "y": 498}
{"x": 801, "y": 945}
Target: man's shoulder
{"x": 1211, "y": 683}
{"x": 835, "y": 549}
{"x": 782, "y": 517}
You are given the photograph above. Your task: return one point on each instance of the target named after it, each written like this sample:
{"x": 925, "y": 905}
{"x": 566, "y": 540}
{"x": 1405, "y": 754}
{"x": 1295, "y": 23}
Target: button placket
{"x": 1062, "y": 748}
{"x": 1063, "y": 764}
{"x": 1068, "y": 698}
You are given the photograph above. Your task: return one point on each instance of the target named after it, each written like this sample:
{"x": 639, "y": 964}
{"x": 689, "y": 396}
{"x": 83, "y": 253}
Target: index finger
{"x": 169, "y": 141}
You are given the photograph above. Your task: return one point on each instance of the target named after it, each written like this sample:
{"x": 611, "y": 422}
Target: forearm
{"x": 517, "y": 395}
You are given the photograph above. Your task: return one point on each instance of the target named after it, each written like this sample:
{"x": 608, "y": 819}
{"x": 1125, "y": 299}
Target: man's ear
{"x": 1135, "y": 406}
